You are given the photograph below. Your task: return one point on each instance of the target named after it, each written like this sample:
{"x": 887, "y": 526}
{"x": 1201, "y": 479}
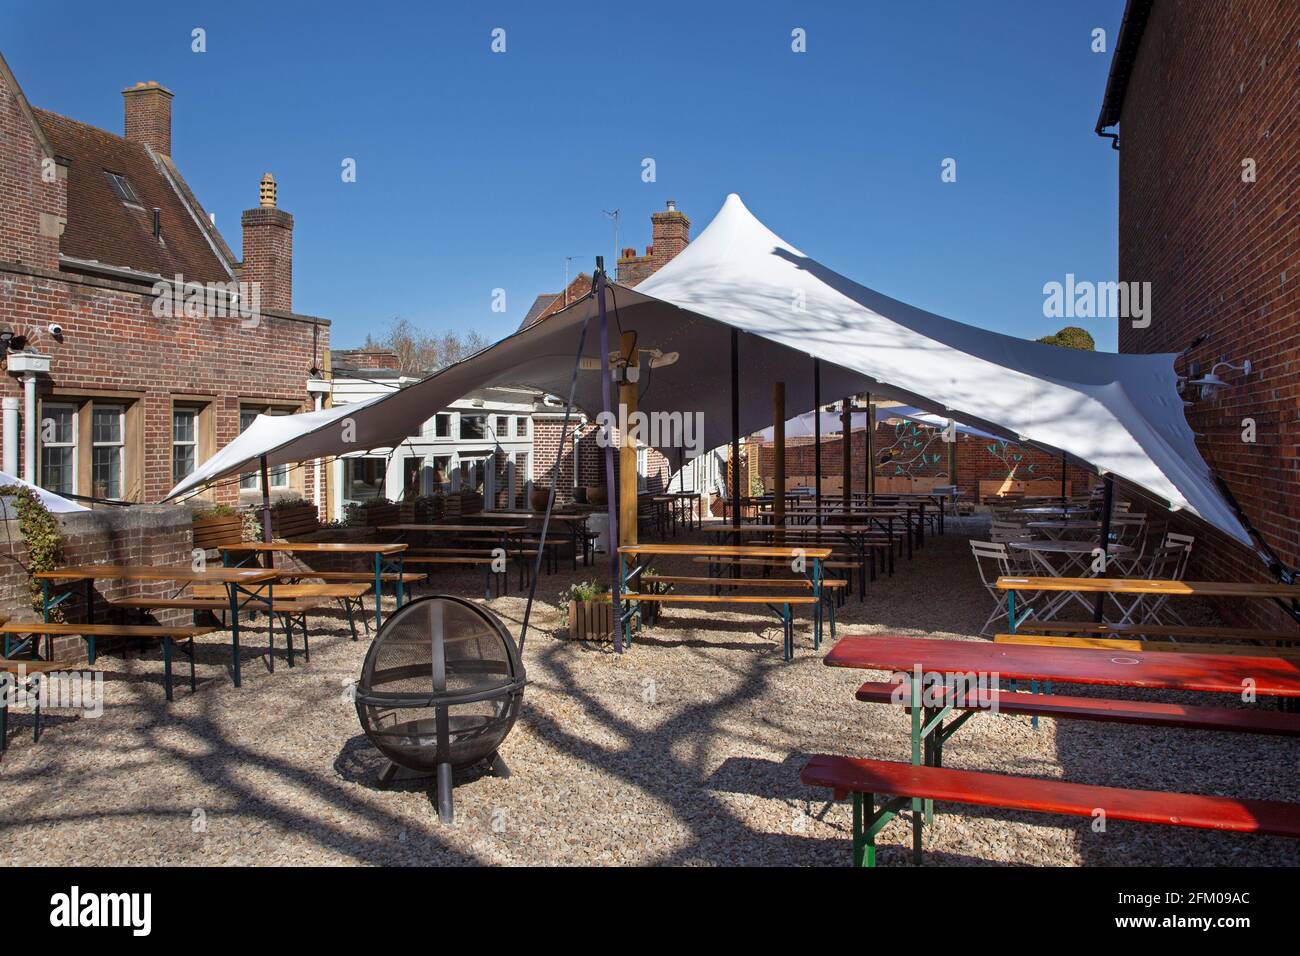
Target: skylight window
{"x": 122, "y": 188}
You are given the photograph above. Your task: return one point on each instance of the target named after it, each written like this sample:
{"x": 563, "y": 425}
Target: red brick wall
{"x": 1215, "y": 84}
{"x": 114, "y": 343}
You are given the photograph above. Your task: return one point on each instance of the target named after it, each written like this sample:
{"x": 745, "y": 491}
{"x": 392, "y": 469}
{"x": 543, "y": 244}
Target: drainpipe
{"x": 10, "y": 435}
{"x": 29, "y": 365}
{"x": 318, "y": 388}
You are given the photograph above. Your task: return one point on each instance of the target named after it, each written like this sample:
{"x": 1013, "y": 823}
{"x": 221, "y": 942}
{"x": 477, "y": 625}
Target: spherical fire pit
{"x": 440, "y": 689}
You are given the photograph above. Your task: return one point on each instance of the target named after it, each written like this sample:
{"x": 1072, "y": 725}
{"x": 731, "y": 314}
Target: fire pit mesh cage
{"x": 441, "y": 684}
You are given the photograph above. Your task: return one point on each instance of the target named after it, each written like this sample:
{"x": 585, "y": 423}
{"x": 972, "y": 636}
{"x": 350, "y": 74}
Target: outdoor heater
{"x": 439, "y": 691}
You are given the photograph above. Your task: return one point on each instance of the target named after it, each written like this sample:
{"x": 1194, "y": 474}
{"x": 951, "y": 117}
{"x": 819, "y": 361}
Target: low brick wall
{"x": 143, "y": 534}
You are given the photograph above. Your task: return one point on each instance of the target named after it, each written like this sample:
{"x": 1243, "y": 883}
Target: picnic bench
{"x": 903, "y": 782}
{"x": 781, "y": 603}
{"x": 913, "y": 658}
{"x": 29, "y": 673}
{"x": 242, "y": 585}
{"x": 27, "y": 633}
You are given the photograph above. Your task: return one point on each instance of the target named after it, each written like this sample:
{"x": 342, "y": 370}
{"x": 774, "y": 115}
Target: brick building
{"x": 1205, "y": 98}
{"x": 167, "y": 345}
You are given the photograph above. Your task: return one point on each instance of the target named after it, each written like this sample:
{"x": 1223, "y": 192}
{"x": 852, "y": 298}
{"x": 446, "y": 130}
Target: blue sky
{"x": 478, "y": 170}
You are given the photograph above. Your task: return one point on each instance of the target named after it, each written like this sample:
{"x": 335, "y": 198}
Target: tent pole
{"x": 846, "y": 429}
{"x": 266, "y": 502}
{"x": 1063, "y": 494}
{"x": 778, "y": 461}
{"x": 616, "y": 577}
{"x": 627, "y": 474}
{"x": 735, "y": 428}
{"x": 1107, "y": 502}
{"x": 871, "y": 451}
{"x": 817, "y": 430}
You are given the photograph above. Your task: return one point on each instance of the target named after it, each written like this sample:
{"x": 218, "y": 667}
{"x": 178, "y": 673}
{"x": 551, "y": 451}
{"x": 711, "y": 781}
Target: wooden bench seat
{"x": 167, "y": 633}
{"x": 1128, "y": 644}
{"x": 356, "y": 577}
{"x": 294, "y": 591}
{"x": 800, "y": 599}
{"x": 903, "y": 782}
{"x": 741, "y": 582}
{"x": 1111, "y": 710}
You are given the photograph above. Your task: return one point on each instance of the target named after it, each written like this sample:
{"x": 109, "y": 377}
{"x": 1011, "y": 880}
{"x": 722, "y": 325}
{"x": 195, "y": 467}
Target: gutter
{"x": 1131, "y": 29}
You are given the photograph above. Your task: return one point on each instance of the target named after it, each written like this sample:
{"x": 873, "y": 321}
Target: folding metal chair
{"x": 993, "y": 560}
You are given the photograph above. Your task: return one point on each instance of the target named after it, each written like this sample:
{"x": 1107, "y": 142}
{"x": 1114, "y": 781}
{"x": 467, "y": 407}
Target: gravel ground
{"x": 684, "y": 751}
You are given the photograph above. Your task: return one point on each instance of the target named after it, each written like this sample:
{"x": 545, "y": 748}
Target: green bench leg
{"x": 864, "y": 842}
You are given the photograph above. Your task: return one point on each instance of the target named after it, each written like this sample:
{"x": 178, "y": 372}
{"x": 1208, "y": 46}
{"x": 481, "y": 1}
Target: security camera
{"x": 56, "y": 330}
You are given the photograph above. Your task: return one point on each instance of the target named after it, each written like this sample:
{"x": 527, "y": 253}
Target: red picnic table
{"x": 939, "y": 675}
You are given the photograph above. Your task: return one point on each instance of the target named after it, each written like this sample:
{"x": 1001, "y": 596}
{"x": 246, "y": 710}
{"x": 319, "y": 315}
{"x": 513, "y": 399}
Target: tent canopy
{"x": 805, "y": 425}
{"x": 1119, "y": 414}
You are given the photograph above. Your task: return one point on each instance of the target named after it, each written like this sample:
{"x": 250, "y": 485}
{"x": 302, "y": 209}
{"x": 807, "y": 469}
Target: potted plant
{"x": 597, "y": 496}
{"x": 538, "y": 497}
{"x": 591, "y": 612}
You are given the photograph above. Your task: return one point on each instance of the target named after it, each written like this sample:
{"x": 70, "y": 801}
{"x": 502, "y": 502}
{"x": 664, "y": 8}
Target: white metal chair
{"x": 994, "y": 560}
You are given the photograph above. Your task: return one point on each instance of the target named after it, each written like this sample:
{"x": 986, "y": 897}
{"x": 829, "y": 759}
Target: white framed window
{"x": 473, "y": 427}
{"x": 521, "y": 426}
{"x": 59, "y": 448}
{"x": 185, "y": 442}
{"x": 442, "y": 425}
{"x": 502, "y": 427}
{"x": 522, "y": 477}
{"x": 107, "y": 426}
{"x": 642, "y": 466}
{"x": 364, "y": 478}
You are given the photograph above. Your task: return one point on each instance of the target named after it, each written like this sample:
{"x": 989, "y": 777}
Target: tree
{"x": 419, "y": 352}
{"x": 1071, "y": 337}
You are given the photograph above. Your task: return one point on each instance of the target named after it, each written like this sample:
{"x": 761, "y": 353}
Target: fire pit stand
{"x": 440, "y": 689}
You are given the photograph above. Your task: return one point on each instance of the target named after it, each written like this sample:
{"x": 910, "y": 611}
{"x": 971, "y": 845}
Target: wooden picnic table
{"x": 922, "y": 658}
{"x": 576, "y": 525}
{"x": 249, "y": 582}
{"x": 1214, "y": 673}
{"x": 814, "y": 555}
{"x": 382, "y": 553}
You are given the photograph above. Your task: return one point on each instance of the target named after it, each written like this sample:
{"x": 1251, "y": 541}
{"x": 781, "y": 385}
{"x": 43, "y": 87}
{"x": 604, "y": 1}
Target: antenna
{"x": 614, "y": 216}
{"x": 567, "y": 260}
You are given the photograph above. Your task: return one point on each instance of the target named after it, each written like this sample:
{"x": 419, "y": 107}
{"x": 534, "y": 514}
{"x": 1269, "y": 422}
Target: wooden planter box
{"x": 294, "y": 521}
{"x": 591, "y": 620}
{"x": 218, "y": 531}
{"x": 381, "y": 514}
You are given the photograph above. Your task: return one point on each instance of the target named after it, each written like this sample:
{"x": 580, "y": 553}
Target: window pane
{"x": 472, "y": 427}
{"x": 442, "y": 426}
{"x": 106, "y": 472}
{"x": 183, "y": 425}
{"x": 106, "y": 426}
{"x": 57, "y": 426}
{"x": 503, "y": 426}
{"x": 521, "y": 425}
{"x": 182, "y": 461}
{"x": 247, "y": 482}
{"x": 56, "y": 470}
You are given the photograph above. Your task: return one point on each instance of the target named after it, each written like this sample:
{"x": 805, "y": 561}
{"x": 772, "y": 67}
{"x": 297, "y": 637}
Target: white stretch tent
{"x": 1120, "y": 414}
{"x": 805, "y": 425}
{"x": 54, "y": 504}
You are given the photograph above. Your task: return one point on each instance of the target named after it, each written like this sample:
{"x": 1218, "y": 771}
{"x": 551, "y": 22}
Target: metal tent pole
{"x": 870, "y": 450}
{"x": 266, "y": 502}
{"x": 612, "y": 502}
{"x": 735, "y": 428}
{"x": 1063, "y": 494}
{"x": 1107, "y": 502}
{"x": 817, "y": 433}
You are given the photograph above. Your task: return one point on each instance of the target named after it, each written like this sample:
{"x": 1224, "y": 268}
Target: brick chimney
{"x": 149, "y": 116}
{"x": 268, "y": 249}
{"x": 671, "y": 232}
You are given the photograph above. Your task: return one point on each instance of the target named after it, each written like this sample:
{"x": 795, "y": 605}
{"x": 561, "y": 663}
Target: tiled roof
{"x": 548, "y": 305}
{"x": 539, "y": 306}
{"x": 103, "y": 228}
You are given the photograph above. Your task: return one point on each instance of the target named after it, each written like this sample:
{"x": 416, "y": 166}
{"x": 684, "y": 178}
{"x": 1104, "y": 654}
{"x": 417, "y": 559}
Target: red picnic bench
{"x": 924, "y": 779}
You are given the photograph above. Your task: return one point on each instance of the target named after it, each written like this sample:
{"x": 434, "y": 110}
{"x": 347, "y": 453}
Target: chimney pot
{"x": 266, "y": 191}
{"x": 148, "y": 109}
{"x": 672, "y": 205}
